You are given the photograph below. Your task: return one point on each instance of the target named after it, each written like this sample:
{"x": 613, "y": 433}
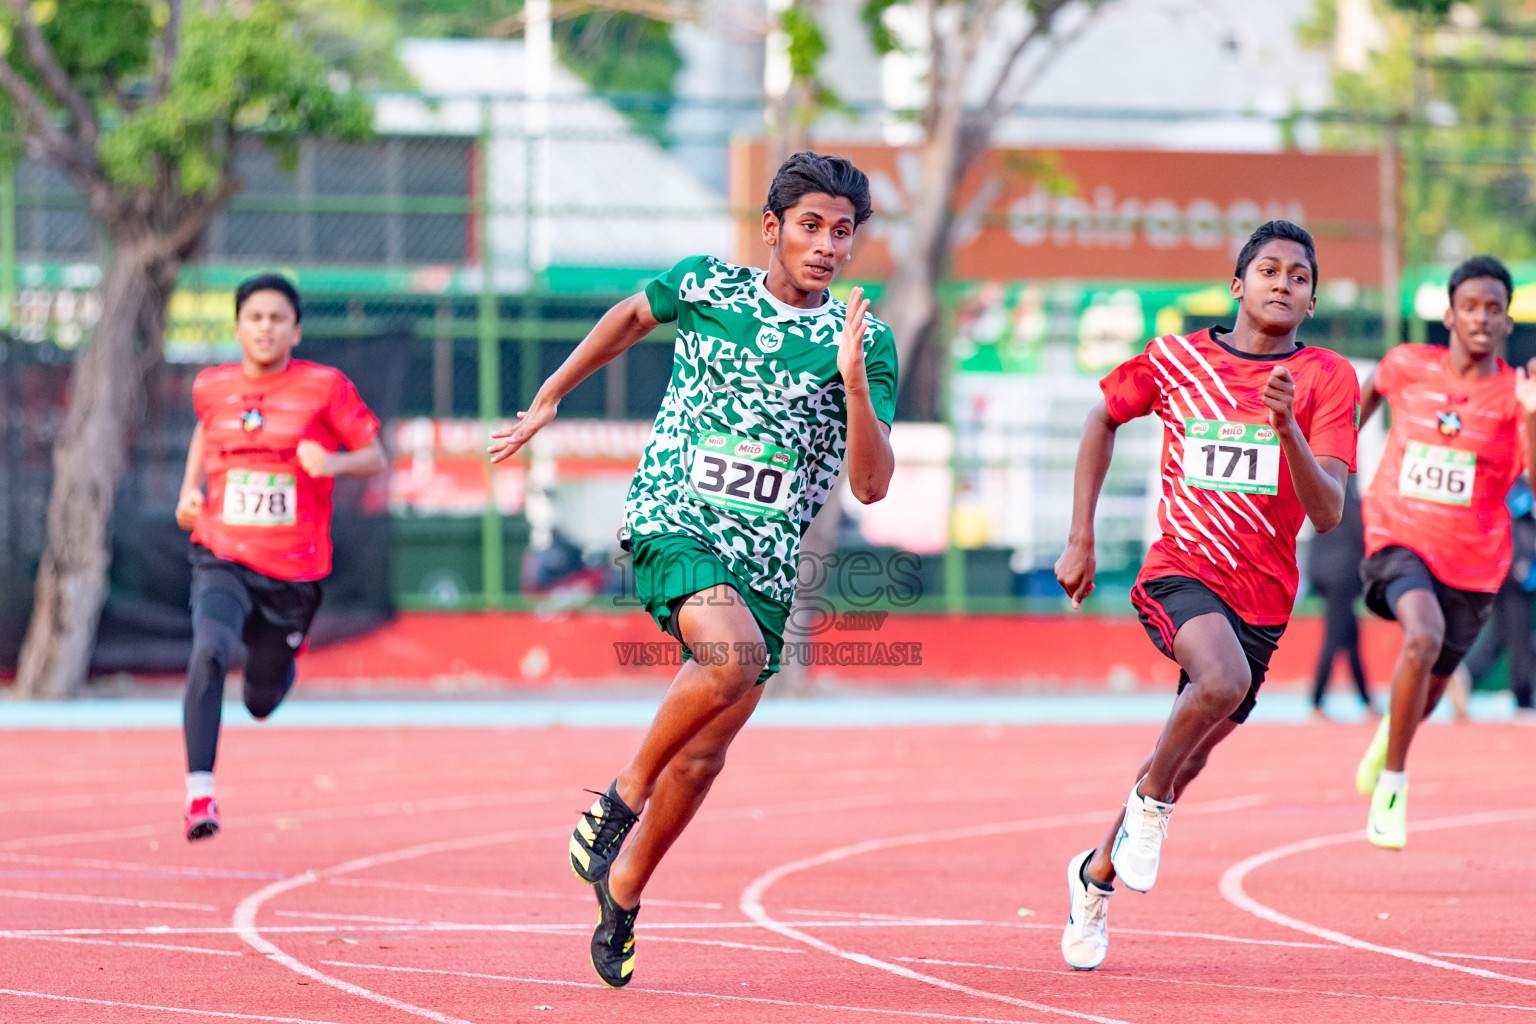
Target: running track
{"x": 862, "y": 875}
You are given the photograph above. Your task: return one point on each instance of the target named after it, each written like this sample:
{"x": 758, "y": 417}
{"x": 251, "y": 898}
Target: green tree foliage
{"x": 1458, "y": 85}
{"x": 611, "y": 50}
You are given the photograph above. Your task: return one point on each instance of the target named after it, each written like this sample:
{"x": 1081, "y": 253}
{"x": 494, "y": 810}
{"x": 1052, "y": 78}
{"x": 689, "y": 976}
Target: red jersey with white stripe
{"x": 1228, "y": 511}
{"x": 1456, "y": 446}
{"x": 263, "y": 510}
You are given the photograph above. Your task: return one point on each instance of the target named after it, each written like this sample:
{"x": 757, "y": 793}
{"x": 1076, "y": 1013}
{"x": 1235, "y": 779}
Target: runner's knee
{"x": 263, "y": 695}
{"x": 1220, "y": 692}
{"x": 214, "y": 645}
{"x": 698, "y": 769}
{"x": 1422, "y": 641}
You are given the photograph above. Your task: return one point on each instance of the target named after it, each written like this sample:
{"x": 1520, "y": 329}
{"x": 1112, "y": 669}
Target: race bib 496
{"x": 742, "y": 475}
{"x": 1433, "y": 472}
{"x": 253, "y": 498}
{"x": 1225, "y": 456}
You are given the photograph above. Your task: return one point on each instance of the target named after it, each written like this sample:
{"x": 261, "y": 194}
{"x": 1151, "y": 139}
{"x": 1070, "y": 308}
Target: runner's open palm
{"x": 530, "y": 422}
{"x": 1525, "y": 389}
{"x": 850, "y": 349}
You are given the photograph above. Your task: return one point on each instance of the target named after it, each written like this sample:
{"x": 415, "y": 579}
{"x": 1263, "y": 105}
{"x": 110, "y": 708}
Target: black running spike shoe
{"x": 600, "y": 833}
{"x": 613, "y": 944}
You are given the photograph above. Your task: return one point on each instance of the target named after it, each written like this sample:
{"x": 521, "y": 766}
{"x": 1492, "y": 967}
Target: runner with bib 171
{"x": 1258, "y": 432}
{"x": 774, "y": 383}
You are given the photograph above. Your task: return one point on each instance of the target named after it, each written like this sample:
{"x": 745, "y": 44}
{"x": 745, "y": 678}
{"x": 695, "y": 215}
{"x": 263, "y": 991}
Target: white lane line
{"x": 1209, "y": 936}
{"x": 346, "y": 917}
{"x": 244, "y": 919}
{"x": 102, "y": 836}
{"x": 752, "y": 896}
{"x": 723, "y": 943}
{"x": 924, "y": 1014}
{"x": 141, "y": 945}
{"x": 114, "y": 901}
{"x": 1232, "y": 889}
{"x": 149, "y": 869}
{"x": 1220, "y": 984}
{"x": 752, "y": 903}
{"x": 1495, "y": 959}
{"x": 516, "y": 893}
{"x": 162, "y": 1009}
{"x": 449, "y": 926}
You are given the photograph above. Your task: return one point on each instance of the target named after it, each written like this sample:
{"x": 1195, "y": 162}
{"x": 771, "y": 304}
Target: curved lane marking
{"x": 723, "y": 997}
{"x": 1232, "y": 890}
{"x": 752, "y": 896}
{"x": 244, "y": 920}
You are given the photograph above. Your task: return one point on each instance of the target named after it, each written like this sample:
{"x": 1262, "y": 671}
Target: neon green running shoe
{"x": 1375, "y": 759}
{"x": 1388, "y": 824}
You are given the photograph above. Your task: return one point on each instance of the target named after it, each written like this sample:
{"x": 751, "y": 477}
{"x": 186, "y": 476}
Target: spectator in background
{"x": 1509, "y": 628}
{"x": 1333, "y": 571}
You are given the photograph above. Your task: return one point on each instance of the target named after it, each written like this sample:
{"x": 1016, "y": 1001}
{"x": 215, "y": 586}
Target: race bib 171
{"x": 1433, "y": 472}
{"x": 253, "y": 498}
{"x": 1225, "y": 456}
{"x": 742, "y": 475}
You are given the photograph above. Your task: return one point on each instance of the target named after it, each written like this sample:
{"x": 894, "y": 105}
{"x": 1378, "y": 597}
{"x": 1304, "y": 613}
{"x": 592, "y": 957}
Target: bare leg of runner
{"x": 1413, "y": 690}
{"x": 678, "y": 795}
{"x": 1219, "y": 676}
{"x": 684, "y": 750}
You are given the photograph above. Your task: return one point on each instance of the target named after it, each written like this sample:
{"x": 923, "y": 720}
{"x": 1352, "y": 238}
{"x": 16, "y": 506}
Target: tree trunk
{"x": 909, "y": 305}
{"x": 89, "y": 455}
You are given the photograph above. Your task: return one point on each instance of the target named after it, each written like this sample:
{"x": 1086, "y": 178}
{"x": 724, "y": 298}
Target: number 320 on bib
{"x": 741, "y": 475}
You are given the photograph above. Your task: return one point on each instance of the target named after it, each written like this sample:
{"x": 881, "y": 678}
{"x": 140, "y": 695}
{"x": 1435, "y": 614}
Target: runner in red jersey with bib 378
{"x": 271, "y": 433}
{"x": 1258, "y": 434}
{"x": 1437, "y": 532}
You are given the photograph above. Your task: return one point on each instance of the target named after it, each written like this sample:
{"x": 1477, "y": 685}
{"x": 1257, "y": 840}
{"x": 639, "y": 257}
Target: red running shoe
{"x": 202, "y": 819}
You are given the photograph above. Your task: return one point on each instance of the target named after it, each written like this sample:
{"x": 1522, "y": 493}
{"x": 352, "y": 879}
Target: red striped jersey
{"x": 263, "y": 510}
{"x": 1228, "y": 511}
{"x": 1456, "y": 446}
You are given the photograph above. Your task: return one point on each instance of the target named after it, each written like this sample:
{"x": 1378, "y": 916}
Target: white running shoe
{"x": 1139, "y": 845}
{"x": 1086, "y": 939}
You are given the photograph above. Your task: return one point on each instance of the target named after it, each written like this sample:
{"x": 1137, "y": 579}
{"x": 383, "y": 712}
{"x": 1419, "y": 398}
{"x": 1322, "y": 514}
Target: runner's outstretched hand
{"x": 1525, "y": 390}
{"x": 530, "y": 421}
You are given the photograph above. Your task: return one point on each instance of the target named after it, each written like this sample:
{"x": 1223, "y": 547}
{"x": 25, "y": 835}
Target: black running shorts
{"x": 277, "y": 612}
{"x": 1393, "y": 571}
{"x": 1166, "y": 603}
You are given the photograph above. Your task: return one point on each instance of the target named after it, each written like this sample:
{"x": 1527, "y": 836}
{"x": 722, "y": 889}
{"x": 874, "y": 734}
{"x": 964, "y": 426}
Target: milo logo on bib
{"x": 715, "y": 441}
{"x": 749, "y": 449}
{"x": 1229, "y": 431}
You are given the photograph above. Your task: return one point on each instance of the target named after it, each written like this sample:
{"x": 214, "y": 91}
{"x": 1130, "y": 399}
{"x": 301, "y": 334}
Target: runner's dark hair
{"x": 269, "y": 283}
{"x": 808, "y": 172}
{"x": 1482, "y": 266}
{"x": 1268, "y": 232}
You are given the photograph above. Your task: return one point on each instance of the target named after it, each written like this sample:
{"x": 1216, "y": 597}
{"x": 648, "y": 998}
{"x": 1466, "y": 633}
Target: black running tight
{"x": 218, "y": 624}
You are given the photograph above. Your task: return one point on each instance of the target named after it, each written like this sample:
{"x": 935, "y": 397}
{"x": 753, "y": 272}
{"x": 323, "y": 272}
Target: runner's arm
{"x": 621, "y": 327}
{"x": 1525, "y": 394}
{"x": 190, "y": 502}
{"x": 870, "y": 459}
{"x": 1075, "y": 567}
{"x": 364, "y": 462}
{"x": 1319, "y": 481}
{"x": 1370, "y": 398}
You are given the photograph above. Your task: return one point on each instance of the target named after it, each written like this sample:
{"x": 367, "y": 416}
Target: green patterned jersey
{"x": 754, "y": 425}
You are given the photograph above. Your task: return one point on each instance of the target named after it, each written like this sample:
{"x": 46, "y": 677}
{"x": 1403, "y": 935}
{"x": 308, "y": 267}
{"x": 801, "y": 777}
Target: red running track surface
{"x": 852, "y": 875}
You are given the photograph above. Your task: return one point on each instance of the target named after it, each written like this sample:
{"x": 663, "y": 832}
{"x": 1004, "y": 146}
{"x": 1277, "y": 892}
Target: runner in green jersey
{"x": 774, "y": 385}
